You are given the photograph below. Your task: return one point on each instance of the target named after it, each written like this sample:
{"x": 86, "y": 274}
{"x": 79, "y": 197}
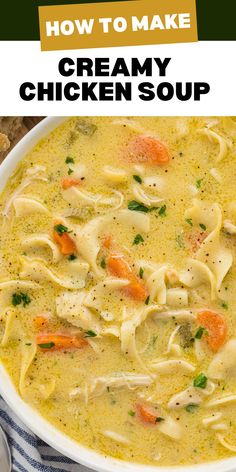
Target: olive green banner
{"x": 19, "y": 19}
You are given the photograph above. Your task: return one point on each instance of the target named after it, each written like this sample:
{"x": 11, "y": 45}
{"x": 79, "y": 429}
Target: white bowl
{"x": 27, "y": 414}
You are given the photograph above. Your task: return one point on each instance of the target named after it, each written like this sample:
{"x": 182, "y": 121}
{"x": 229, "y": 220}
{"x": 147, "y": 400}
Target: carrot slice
{"x": 216, "y": 328}
{"x": 120, "y": 268}
{"x": 146, "y": 414}
{"x": 66, "y": 243}
{"x": 40, "y": 321}
{"x": 67, "y": 183}
{"x": 149, "y": 150}
{"x": 55, "y": 342}
{"x": 63, "y": 239}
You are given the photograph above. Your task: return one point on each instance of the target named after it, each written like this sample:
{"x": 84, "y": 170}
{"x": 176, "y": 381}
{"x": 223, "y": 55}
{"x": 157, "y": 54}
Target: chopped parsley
{"x": 70, "y": 171}
{"x": 147, "y": 300}
{"x": 200, "y": 381}
{"x": 225, "y": 305}
{"x": 90, "y": 334}
{"x": 136, "y": 206}
{"x": 72, "y": 257}
{"x": 162, "y": 211}
{"x": 202, "y": 226}
{"x": 131, "y": 413}
{"x": 60, "y": 229}
{"x": 189, "y": 221}
{"x": 199, "y": 183}
{"x": 103, "y": 263}
{"x": 138, "y": 239}
{"x": 159, "y": 419}
{"x": 137, "y": 178}
{"x": 141, "y": 271}
{"x": 18, "y": 298}
{"x": 191, "y": 408}
{"x": 69, "y": 160}
{"x": 47, "y": 345}
{"x": 201, "y": 330}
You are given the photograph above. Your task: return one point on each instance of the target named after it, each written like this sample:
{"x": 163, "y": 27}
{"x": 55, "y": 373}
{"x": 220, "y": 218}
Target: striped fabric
{"x": 29, "y": 453}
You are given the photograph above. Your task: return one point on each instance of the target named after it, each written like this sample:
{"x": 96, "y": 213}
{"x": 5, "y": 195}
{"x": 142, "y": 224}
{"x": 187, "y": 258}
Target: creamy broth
{"x": 117, "y": 285}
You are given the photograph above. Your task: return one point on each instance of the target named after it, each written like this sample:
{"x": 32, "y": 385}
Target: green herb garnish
{"x": 70, "y": 171}
{"x": 159, "y": 419}
{"x": 69, "y": 160}
{"x": 225, "y": 305}
{"x": 25, "y": 299}
{"x": 131, "y": 413}
{"x": 162, "y": 211}
{"x": 18, "y": 298}
{"x": 138, "y": 239}
{"x": 137, "y": 178}
{"x": 141, "y": 271}
{"x": 103, "y": 263}
{"x": 189, "y": 221}
{"x": 60, "y": 229}
{"x": 202, "y": 226}
{"x": 147, "y": 300}
{"x": 136, "y": 206}
{"x": 199, "y": 332}
{"x": 200, "y": 381}
{"x": 90, "y": 334}
{"x": 191, "y": 408}
{"x": 199, "y": 183}
{"x": 47, "y": 345}
{"x": 72, "y": 257}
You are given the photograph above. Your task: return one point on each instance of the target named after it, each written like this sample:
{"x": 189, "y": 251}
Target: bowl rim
{"x": 29, "y": 415}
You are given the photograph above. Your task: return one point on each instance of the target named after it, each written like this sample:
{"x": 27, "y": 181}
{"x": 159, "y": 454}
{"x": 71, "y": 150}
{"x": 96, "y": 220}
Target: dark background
{"x": 19, "y": 18}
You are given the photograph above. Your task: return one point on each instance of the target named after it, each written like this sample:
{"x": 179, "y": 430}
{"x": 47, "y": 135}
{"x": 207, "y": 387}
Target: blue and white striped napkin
{"x": 29, "y": 453}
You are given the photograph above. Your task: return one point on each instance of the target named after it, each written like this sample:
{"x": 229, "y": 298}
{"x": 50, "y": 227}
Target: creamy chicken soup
{"x": 117, "y": 285}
